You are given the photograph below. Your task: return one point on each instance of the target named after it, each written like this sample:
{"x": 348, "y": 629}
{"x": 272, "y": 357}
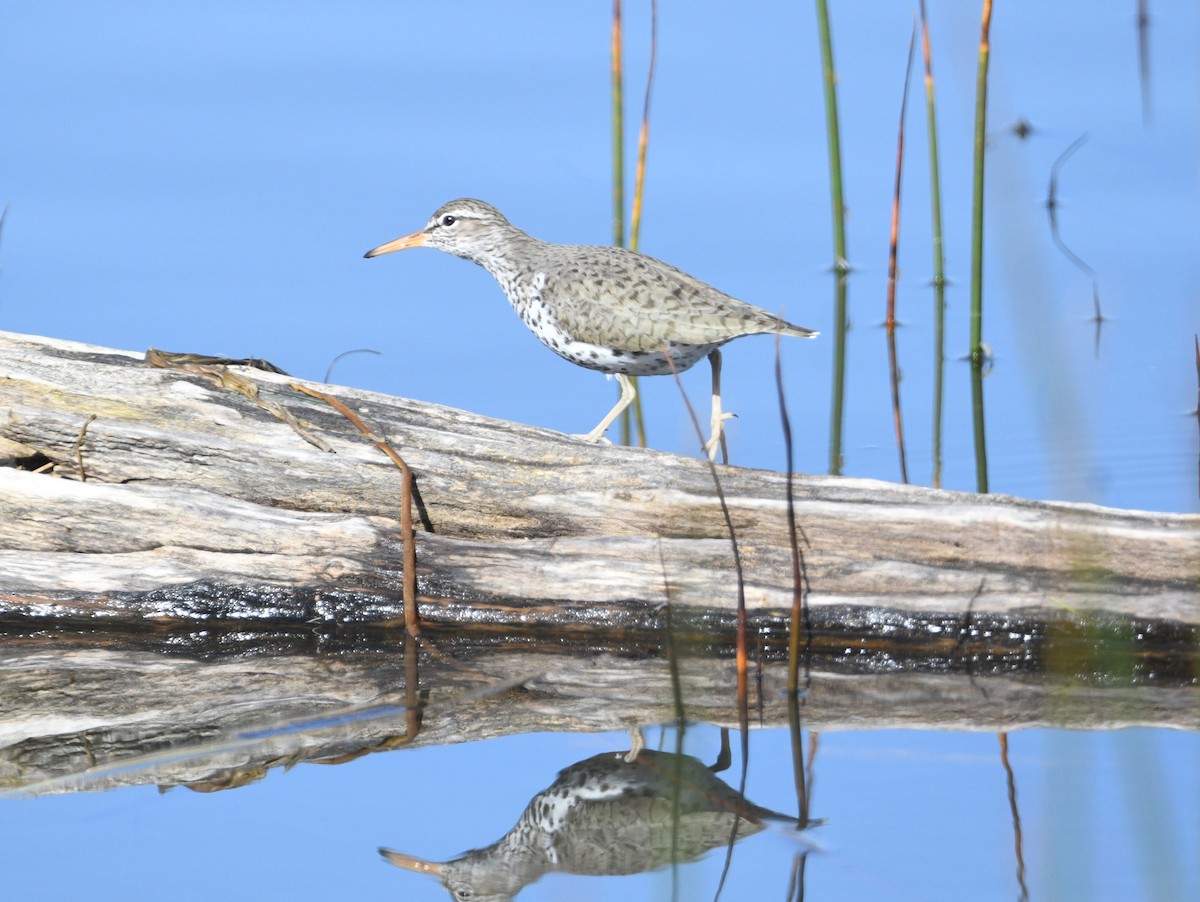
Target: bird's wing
{"x": 608, "y": 292}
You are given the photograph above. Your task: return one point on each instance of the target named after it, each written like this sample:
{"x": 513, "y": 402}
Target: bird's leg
{"x": 637, "y": 742}
{"x": 725, "y": 756}
{"x": 717, "y": 435}
{"x": 627, "y": 394}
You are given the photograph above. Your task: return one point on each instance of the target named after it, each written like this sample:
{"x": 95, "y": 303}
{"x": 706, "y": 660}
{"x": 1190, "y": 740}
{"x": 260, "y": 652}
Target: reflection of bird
{"x": 605, "y": 815}
{"x": 605, "y": 308}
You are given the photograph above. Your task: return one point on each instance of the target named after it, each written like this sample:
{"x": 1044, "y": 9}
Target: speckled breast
{"x": 607, "y": 358}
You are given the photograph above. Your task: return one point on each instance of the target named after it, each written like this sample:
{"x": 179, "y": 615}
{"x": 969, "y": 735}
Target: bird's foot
{"x": 717, "y": 438}
{"x": 592, "y": 438}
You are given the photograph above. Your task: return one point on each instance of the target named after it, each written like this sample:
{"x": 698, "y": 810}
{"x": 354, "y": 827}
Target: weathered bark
{"x": 198, "y": 501}
{"x": 216, "y": 573}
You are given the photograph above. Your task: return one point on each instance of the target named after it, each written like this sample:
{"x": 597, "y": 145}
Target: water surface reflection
{"x": 613, "y": 813}
{"x": 900, "y": 729}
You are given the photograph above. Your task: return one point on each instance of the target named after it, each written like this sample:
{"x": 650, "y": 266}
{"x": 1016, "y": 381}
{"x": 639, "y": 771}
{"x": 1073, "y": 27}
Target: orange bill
{"x": 409, "y": 863}
{"x": 416, "y": 239}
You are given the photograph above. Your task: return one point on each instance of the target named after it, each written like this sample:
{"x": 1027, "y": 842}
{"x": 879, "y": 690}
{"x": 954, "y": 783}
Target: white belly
{"x": 605, "y": 358}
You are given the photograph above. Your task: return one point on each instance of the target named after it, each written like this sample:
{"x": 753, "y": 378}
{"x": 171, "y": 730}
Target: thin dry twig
{"x": 741, "y": 653}
{"x": 217, "y": 369}
{"x": 79, "y": 445}
{"x": 1056, "y": 234}
{"x": 893, "y": 249}
{"x": 338, "y": 359}
{"x": 177, "y": 360}
{"x": 639, "y": 179}
{"x": 799, "y": 605}
{"x": 412, "y": 617}
{"x": 680, "y": 724}
{"x": 414, "y": 710}
{"x": 412, "y": 620}
{"x": 1014, "y": 809}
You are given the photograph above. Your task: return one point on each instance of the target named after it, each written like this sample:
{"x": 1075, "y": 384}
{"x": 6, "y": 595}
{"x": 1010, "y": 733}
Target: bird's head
{"x": 465, "y": 227}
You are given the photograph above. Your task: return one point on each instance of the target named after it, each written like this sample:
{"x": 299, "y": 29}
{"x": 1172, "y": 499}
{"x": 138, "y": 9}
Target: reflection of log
{"x": 199, "y": 503}
{"x": 69, "y": 705}
{"x": 216, "y": 573}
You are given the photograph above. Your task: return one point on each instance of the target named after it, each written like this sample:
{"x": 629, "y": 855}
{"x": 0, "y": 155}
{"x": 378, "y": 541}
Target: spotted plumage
{"x": 609, "y": 814}
{"x": 604, "y": 308}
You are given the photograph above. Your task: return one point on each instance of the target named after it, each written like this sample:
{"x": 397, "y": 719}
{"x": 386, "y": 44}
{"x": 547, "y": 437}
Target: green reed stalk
{"x": 618, "y": 132}
{"x": 618, "y": 161}
{"x": 939, "y": 258}
{"x": 618, "y": 156}
{"x": 639, "y": 183}
{"x": 977, "y": 355}
{"x": 840, "y": 266}
{"x": 639, "y": 191}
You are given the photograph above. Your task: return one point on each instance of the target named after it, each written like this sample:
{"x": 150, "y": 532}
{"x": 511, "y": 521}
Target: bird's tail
{"x": 799, "y": 331}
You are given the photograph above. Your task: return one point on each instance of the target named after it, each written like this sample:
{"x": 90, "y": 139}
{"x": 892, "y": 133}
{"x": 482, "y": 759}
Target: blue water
{"x": 206, "y": 176}
{"x": 911, "y": 815}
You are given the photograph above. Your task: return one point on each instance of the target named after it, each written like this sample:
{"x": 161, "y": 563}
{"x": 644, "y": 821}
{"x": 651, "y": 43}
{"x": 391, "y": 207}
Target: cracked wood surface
{"x": 216, "y": 577}
{"x": 189, "y": 483}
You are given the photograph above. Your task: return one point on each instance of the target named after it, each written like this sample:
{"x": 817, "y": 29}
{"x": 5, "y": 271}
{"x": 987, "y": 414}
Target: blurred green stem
{"x": 634, "y": 411}
{"x": 939, "y": 259}
{"x": 977, "y": 350}
{"x": 639, "y": 193}
{"x": 840, "y": 266}
{"x": 618, "y": 132}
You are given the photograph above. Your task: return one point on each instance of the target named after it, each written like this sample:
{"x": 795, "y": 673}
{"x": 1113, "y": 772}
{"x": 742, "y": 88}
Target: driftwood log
{"x": 189, "y": 483}
{"x": 161, "y": 521}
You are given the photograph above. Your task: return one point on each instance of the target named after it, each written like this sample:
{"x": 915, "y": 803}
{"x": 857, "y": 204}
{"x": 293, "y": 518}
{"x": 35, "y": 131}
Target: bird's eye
{"x": 448, "y": 220}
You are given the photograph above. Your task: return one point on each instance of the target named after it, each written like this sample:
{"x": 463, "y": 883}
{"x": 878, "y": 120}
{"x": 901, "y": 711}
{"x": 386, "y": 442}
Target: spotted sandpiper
{"x": 604, "y": 308}
{"x": 609, "y": 814}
